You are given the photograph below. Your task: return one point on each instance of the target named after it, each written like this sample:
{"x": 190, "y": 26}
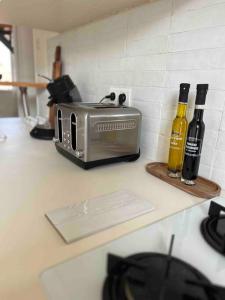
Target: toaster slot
{"x": 73, "y": 126}
{"x": 59, "y": 120}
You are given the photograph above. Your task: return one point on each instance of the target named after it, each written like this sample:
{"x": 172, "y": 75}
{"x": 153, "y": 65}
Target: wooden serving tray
{"x": 203, "y": 188}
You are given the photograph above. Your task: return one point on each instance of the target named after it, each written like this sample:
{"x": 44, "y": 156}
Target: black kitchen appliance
{"x": 213, "y": 227}
{"x": 156, "y": 276}
{"x": 61, "y": 90}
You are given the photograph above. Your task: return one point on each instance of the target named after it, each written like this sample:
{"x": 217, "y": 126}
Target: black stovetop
{"x": 155, "y": 276}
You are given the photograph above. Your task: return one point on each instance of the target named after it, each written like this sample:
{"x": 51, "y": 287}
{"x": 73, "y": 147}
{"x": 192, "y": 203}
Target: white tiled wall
{"x": 152, "y": 49}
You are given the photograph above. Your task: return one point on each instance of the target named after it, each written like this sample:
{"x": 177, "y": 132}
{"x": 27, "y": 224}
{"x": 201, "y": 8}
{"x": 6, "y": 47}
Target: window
{"x": 5, "y": 65}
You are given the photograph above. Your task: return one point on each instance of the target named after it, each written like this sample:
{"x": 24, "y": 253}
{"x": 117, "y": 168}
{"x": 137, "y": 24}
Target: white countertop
{"x": 35, "y": 179}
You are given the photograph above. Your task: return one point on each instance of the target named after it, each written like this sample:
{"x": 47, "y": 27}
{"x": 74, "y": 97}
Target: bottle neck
{"x": 181, "y": 110}
{"x": 198, "y": 113}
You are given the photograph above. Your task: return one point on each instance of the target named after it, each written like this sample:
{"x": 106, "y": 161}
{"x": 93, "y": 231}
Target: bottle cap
{"x": 184, "y": 90}
{"x": 202, "y": 90}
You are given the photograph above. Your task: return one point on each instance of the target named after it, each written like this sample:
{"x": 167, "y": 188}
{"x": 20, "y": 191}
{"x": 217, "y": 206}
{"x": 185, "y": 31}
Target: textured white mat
{"x": 94, "y": 215}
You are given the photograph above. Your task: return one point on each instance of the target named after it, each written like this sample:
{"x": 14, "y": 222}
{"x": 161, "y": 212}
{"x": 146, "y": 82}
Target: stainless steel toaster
{"x": 92, "y": 134}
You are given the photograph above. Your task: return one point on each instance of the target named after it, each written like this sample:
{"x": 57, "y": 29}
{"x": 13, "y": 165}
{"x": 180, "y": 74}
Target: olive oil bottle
{"x": 178, "y": 135}
{"x": 196, "y": 130}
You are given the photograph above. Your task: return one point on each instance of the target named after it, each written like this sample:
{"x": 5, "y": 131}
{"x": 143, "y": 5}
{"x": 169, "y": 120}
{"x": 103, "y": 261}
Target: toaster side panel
{"x": 113, "y": 136}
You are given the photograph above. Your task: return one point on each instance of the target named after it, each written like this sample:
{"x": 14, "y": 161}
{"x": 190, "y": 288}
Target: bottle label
{"x": 175, "y": 141}
{"x": 200, "y": 106}
{"x": 193, "y": 147}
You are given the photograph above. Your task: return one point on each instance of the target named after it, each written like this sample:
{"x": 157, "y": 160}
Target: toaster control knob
{"x": 79, "y": 153}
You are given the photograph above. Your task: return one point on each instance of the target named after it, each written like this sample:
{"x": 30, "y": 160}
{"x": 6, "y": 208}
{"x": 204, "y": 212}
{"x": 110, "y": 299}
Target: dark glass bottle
{"x": 195, "y": 135}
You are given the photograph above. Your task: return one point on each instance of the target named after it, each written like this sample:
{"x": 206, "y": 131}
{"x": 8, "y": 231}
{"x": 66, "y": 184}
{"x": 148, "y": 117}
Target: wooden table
{"x": 23, "y": 86}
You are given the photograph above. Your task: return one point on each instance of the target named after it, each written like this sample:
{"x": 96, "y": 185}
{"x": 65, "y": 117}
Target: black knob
{"x": 122, "y": 99}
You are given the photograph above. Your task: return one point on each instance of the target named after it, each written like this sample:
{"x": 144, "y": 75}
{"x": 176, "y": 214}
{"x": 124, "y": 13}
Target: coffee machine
{"x": 62, "y": 90}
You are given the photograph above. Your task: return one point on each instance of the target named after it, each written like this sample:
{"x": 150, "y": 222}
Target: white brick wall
{"x": 152, "y": 49}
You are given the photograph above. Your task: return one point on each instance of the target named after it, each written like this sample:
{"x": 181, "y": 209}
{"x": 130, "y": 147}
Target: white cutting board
{"x": 80, "y": 220}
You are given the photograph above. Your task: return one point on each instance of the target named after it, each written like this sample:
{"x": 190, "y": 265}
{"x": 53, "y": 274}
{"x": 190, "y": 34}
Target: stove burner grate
{"x": 213, "y": 227}
{"x": 155, "y": 276}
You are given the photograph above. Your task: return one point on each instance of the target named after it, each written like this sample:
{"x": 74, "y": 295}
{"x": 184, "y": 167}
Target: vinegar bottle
{"x": 195, "y": 137}
{"x": 178, "y": 135}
